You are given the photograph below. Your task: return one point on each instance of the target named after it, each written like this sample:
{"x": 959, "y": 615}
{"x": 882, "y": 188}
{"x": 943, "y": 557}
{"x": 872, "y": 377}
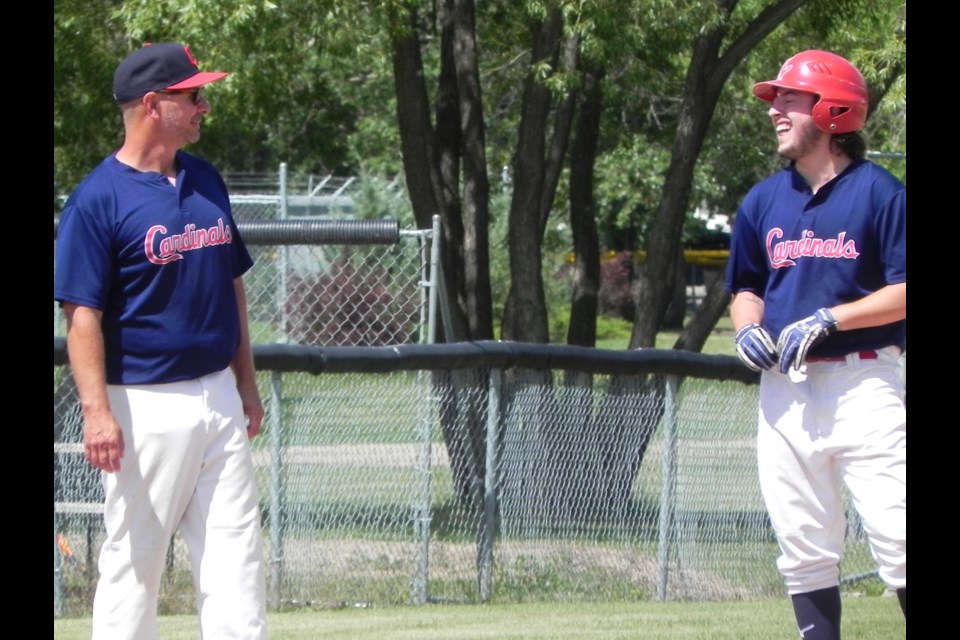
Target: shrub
{"x": 347, "y": 308}
{"x": 615, "y": 298}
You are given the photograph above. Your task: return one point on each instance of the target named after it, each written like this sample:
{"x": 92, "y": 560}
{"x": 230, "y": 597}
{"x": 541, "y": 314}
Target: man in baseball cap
{"x": 149, "y": 273}
{"x": 165, "y": 66}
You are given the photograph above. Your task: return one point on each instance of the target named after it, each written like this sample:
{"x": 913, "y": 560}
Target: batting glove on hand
{"x": 755, "y": 347}
{"x": 797, "y": 339}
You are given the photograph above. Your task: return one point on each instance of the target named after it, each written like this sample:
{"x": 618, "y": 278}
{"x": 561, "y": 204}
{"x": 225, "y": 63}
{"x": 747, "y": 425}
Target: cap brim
{"x": 199, "y": 79}
{"x": 766, "y": 90}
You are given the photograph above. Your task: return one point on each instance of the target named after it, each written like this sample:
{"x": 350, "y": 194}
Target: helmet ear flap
{"x": 825, "y": 115}
{"x": 835, "y": 116}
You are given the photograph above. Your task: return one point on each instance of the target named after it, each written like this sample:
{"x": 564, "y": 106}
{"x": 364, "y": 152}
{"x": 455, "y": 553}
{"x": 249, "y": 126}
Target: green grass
{"x": 615, "y": 334}
{"x": 864, "y": 618}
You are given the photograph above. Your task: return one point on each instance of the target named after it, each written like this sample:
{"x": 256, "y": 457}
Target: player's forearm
{"x": 243, "y": 367}
{"x": 242, "y": 363}
{"x": 102, "y": 437}
{"x": 746, "y": 308}
{"x": 881, "y": 307}
{"x": 85, "y": 349}
{"x": 244, "y": 370}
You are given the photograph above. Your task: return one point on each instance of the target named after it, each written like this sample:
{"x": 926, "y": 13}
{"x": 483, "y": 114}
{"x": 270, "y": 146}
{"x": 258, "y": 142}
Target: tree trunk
{"x": 583, "y": 223}
{"x": 706, "y": 75}
{"x": 448, "y": 149}
{"x": 421, "y": 167}
{"x": 525, "y": 315}
{"x": 557, "y": 152}
{"x": 677, "y": 309}
{"x": 711, "y": 308}
{"x": 432, "y": 164}
{"x": 478, "y": 302}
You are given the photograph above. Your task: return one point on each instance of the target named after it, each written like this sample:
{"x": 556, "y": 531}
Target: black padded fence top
{"x": 492, "y": 354}
{"x": 311, "y": 232}
{"x": 339, "y": 232}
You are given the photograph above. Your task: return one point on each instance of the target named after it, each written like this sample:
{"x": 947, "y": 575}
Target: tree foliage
{"x": 540, "y": 126}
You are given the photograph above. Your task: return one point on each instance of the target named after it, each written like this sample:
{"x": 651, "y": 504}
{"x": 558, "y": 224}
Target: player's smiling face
{"x": 797, "y": 134}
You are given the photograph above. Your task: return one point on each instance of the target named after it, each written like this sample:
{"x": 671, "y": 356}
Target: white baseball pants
{"x": 187, "y": 464}
{"x": 829, "y": 424}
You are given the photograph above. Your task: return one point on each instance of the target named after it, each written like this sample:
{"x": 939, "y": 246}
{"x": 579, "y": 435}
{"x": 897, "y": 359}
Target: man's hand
{"x": 103, "y": 442}
{"x": 254, "y": 413}
{"x": 797, "y": 339}
{"x": 252, "y": 408}
{"x": 755, "y": 347}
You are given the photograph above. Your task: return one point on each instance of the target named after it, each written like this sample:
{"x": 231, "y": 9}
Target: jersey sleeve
{"x": 83, "y": 252}
{"x": 892, "y": 235}
{"x": 746, "y": 267}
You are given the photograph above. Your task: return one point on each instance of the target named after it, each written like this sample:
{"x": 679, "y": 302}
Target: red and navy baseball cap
{"x": 158, "y": 67}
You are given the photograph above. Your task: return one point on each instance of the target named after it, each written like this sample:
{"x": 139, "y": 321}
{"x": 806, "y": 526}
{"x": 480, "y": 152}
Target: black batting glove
{"x": 755, "y": 347}
{"x": 798, "y": 338}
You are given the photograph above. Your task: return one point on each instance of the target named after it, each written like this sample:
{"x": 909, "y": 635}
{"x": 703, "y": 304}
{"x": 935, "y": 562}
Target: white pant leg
{"x": 800, "y": 484}
{"x": 874, "y": 461}
{"x": 831, "y": 423}
{"x": 221, "y": 526}
{"x": 164, "y": 431}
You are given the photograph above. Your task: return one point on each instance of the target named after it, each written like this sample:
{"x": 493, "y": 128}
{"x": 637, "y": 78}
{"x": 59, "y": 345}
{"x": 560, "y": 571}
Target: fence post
{"x": 434, "y": 282}
{"x": 669, "y": 484}
{"x": 277, "y": 506}
{"x": 422, "y": 512}
{"x": 485, "y": 554}
{"x": 284, "y": 258}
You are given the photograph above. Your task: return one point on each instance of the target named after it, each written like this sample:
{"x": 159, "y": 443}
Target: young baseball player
{"x": 819, "y": 281}
{"x": 149, "y": 268}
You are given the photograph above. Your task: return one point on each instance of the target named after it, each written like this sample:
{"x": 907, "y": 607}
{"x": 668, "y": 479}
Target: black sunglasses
{"x": 194, "y": 94}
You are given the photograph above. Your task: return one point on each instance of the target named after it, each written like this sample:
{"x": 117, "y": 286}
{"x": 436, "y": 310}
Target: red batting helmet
{"x": 842, "y": 106}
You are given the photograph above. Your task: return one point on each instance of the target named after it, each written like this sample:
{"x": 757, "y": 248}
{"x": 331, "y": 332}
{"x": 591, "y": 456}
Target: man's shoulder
{"x": 874, "y": 181}
{"x": 878, "y": 174}
{"x": 95, "y": 185}
{"x": 770, "y": 186}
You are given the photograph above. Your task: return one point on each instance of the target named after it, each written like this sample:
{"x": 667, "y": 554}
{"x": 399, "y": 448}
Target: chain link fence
{"x": 483, "y": 472}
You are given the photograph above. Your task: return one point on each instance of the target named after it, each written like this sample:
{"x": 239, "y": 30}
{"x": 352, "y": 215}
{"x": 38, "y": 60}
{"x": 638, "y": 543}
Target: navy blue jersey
{"x": 159, "y": 261}
{"x": 801, "y": 251}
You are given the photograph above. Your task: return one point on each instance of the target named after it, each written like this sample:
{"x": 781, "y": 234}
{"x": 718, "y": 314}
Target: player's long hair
{"x": 851, "y": 144}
